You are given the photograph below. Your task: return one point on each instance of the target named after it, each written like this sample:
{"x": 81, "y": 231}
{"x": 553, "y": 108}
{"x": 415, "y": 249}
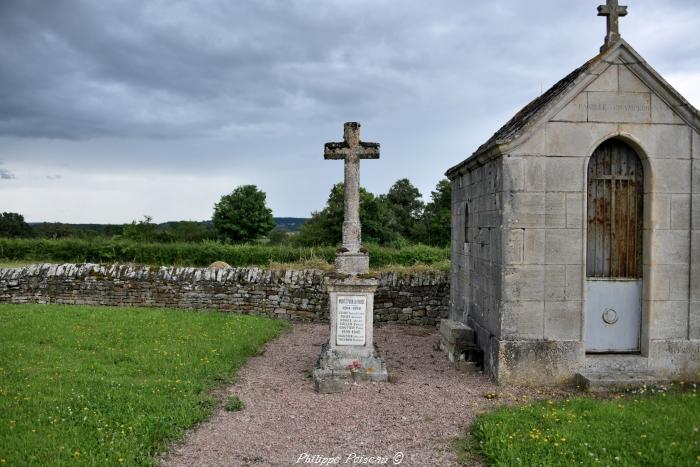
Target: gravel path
{"x": 419, "y": 414}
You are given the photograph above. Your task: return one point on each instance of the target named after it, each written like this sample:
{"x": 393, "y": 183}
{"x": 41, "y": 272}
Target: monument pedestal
{"x": 351, "y": 341}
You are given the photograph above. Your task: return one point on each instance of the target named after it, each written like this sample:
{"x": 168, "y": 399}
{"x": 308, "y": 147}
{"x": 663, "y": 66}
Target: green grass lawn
{"x": 111, "y": 386}
{"x": 658, "y": 430}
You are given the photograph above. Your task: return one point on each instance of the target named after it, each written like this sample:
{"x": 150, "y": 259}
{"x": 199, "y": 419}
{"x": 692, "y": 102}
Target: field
{"x": 101, "y": 250}
{"x": 106, "y": 386}
{"x": 633, "y": 430}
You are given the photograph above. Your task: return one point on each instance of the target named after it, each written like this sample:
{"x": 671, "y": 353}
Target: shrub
{"x": 101, "y": 250}
{"x": 234, "y": 404}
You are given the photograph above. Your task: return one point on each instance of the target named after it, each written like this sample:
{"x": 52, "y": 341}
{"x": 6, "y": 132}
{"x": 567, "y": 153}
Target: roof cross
{"x": 613, "y": 11}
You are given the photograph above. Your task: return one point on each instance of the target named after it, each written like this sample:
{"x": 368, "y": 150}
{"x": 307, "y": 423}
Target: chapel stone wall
{"x": 476, "y": 250}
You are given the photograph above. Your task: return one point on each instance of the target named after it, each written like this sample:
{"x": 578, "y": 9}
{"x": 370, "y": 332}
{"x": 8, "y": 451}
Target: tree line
{"x": 396, "y": 218}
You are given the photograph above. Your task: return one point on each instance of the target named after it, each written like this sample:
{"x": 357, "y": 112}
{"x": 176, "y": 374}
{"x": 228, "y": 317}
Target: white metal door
{"x": 613, "y": 315}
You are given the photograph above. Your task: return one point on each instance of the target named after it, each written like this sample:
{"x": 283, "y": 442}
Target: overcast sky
{"x": 110, "y": 110}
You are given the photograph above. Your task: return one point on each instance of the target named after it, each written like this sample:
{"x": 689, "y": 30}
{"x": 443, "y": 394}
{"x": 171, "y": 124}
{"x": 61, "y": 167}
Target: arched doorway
{"x": 614, "y": 249}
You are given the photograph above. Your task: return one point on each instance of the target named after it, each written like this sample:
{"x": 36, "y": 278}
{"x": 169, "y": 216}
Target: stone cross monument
{"x": 350, "y": 259}
{"x": 613, "y": 11}
{"x": 350, "y": 354}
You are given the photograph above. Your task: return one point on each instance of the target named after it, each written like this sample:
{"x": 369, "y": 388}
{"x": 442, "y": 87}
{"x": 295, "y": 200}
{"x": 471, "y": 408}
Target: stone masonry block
{"x": 629, "y": 81}
{"x": 535, "y": 145}
{"x": 661, "y": 141}
{"x": 657, "y": 211}
{"x": 555, "y": 282}
{"x": 696, "y": 146}
{"x": 656, "y": 289}
{"x": 670, "y": 282}
{"x": 680, "y": 212}
{"x": 555, "y": 210}
{"x": 679, "y": 281}
{"x": 614, "y": 107}
{"x": 513, "y": 246}
{"x": 672, "y": 176}
{"x": 533, "y": 246}
{"x": 562, "y": 320}
{"x": 534, "y": 173}
{"x": 695, "y": 214}
{"x": 671, "y": 247}
{"x": 576, "y": 139}
{"x": 607, "y": 81}
{"x": 523, "y": 320}
{"x": 574, "y": 210}
{"x": 575, "y": 111}
{"x": 564, "y": 173}
{"x": 563, "y": 246}
{"x": 694, "y": 320}
{"x": 662, "y": 113}
{"x": 669, "y": 320}
{"x": 524, "y": 209}
{"x": 523, "y": 283}
{"x": 695, "y": 268}
{"x": 574, "y": 282}
{"x": 513, "y": 176}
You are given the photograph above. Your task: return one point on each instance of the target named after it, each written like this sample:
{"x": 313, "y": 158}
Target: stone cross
{"x": 613, "y": 11}
{"x": 351, "y": 150}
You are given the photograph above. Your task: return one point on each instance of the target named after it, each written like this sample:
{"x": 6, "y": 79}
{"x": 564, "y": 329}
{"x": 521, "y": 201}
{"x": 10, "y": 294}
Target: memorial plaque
{"x": 351, "y": 316}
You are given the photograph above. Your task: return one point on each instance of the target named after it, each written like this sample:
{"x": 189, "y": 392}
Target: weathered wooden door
{"x": 614, "y": 249}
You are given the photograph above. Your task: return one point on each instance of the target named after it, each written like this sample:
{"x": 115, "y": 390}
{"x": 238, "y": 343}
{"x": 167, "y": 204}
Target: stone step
{"x": 630, "y": 363}
{"x": 455, "y": 332}
{"x": 610, "y": 381}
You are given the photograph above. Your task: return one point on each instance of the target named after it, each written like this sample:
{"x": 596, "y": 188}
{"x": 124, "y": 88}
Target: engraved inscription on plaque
{"x": 350, "y": 326}
{"x": 613, "y": 107}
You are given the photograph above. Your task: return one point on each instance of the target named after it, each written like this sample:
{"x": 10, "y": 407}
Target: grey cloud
{"x": 130, "y": 68}
{"x": 6, "y": 174}
{"x": 54, "y": 177}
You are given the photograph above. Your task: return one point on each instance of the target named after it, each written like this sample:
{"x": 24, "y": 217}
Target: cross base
{"x": 352, "y": 263}
{"x": 332, "y": 375}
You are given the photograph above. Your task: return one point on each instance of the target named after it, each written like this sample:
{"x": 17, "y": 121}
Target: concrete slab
{"x": 612, "y": 381}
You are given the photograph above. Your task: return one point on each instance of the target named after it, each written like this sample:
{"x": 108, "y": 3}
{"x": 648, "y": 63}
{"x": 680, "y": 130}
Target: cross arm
{"x": 342, "y": 150}
{"x": 369, "y": 150}
{"x": 605, "y": 10}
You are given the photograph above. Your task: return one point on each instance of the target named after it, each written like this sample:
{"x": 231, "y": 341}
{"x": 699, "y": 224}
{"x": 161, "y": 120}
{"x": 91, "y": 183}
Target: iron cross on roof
{"x": 613, "y": 11}
{"x": 351, "y": 150}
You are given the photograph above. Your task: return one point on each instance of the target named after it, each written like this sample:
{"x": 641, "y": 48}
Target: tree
{"x": 243, "y": 215}
{"x": 141, "y": 231}
{"x": 404, "y": 202}
{"x": 13, "y": 225}
{"x": 326, "y": 226}
{"x": 435, "y": 223}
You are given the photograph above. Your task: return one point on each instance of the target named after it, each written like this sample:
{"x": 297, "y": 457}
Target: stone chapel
{"x": 576, "y": 230}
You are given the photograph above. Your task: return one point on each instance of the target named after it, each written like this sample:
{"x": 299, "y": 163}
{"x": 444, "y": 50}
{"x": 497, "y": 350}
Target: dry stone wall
{"x": 417, "y": 298}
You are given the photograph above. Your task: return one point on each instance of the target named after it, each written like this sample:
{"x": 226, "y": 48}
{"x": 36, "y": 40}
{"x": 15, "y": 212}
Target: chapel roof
{"x": 565, "y": 89}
